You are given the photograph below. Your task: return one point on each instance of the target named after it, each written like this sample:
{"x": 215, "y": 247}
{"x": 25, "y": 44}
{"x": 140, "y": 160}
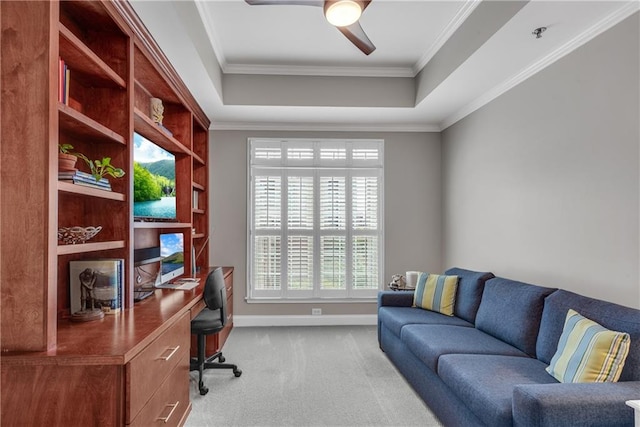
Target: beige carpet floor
{"x": 307, "y": 376}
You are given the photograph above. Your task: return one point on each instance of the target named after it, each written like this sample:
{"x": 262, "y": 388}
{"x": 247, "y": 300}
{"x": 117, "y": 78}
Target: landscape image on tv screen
{"x": 154, "y": 181}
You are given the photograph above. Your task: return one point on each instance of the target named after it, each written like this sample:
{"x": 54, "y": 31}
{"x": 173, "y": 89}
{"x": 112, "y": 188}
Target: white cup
{"x": 412, "y": 278}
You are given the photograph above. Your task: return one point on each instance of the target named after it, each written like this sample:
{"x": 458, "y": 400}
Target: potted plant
{"x": 101, "y": 167}
{"x": 66, "y": 159}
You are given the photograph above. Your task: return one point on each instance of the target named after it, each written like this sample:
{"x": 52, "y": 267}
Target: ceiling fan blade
{"x": 285, "y": 2}
{"x": 357, "y": 36}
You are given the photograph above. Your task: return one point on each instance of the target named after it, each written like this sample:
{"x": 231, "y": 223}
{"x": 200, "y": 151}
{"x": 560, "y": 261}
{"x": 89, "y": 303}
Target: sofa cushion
{"x": 485, "y": 382}
{"x": 429, "y": 342}
{"x": 436, "y": 292}
{"x": 469, "y": 293}
{"x": 575, "y": 404}
{"x": 394, "y": 318}
{"x": 588, "y": 353}
{"x": 511, "y": 311}
{"x": 609, "y": 315}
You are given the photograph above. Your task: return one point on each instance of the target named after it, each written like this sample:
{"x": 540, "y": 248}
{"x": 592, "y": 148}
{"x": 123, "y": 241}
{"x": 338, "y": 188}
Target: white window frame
{"x": 315, "y": 166}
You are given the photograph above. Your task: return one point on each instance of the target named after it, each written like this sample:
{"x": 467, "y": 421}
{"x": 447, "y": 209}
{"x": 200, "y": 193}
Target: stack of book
{"x": 83, "y": 178}
{"x": 63, "y": 82}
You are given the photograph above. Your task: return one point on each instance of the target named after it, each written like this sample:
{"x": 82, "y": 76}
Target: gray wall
{"x": 412, "y": 209}
{"x": 542, "y": 184}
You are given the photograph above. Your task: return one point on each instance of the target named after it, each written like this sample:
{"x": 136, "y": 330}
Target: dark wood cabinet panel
{"x": 62, "y": 395}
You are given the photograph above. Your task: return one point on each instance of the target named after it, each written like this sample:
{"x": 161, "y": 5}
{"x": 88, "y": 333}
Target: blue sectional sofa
{"x": 485, "y": 366}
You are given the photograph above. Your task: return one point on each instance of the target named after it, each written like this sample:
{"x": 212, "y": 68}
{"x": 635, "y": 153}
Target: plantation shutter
{"x": 315, "y": 219}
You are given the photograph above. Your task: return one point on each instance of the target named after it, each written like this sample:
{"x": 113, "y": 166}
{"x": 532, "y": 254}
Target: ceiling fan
{"x": 343, "y": 14}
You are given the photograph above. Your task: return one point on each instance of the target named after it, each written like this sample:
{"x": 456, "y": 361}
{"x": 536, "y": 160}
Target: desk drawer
{"x": 149, "y": 369}
{"x": 196, "y": 309}
{"x": 170, "y": 404}
{"x": 228, "y": 283}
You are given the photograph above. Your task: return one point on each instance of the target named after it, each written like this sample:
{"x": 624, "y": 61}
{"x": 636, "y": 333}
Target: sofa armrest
{"x": 584, "y": 404}
{"x": 395, "y": 299}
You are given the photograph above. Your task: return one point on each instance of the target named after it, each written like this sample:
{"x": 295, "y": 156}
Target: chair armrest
{"x": 583, "y": 404}
{"x": 395, "y": 299}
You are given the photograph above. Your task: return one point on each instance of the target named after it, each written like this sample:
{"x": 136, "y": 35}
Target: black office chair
{"x": 209, "y": 321}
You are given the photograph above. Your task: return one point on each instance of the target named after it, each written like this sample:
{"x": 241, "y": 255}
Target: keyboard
{"x": 140, "y": 294}
{"x": 181, "y": 284}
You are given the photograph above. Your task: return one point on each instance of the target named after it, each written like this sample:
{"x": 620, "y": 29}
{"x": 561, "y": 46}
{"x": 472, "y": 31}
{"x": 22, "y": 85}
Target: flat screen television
{"x": 154, "y": 181}
{"x": 172, "y": 253}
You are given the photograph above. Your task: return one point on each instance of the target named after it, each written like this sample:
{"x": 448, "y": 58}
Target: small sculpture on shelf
{"x": 157, "y": 110}
{"x": 397, "y": 282}
{"x": 89, "y": 309}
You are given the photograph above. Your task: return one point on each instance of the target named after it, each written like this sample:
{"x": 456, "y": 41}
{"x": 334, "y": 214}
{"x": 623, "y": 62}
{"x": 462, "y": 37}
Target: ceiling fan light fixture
{"x": 343, "y": 13}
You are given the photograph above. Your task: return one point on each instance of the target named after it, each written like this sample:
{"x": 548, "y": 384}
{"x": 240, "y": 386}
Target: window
{"x": 315, "y": 219}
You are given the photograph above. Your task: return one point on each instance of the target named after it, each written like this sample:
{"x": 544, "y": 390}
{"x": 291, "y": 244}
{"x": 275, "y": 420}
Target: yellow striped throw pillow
{"x": 588, "y": 352}
{"x": 436, "y": 293}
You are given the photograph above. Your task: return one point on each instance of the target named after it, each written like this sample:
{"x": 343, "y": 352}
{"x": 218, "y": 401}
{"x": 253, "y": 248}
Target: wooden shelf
{"x": 198, "y": 235}
{"x": 199, "y": 211}
{"x": 197, "y": 186}
{"x": 159, "y": 225}
{"x": 90, "y": 247}
{"x": 145, "y": 126}
{"x": 76, "y": 123}
{"x": 81, "y": 58}
{"x": 147, "y": 79}
{"x": 68, "y": 187}
{"x": 198, "y": 159}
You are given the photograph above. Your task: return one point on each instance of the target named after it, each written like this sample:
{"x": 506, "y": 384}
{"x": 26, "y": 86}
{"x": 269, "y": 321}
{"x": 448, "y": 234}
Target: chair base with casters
{"x": 202, "y": 362}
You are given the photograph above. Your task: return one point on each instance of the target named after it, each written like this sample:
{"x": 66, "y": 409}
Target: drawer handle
{"x": 173, "y": 408}
{"x": 173, "y": 351}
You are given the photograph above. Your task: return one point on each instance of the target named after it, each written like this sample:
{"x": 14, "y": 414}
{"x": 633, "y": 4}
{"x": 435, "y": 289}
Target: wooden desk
{"x": 127, "y": 369}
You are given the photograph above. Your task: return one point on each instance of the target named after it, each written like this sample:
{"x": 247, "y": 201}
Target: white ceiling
{"x": 300, "y": 36}
{"x": 208, "y": 40}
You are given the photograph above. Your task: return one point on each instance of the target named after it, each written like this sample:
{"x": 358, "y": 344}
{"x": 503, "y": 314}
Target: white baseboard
{"x": 307, "y": 320}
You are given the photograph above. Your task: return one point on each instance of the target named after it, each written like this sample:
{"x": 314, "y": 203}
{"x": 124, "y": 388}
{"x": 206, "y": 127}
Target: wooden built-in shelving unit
{"x": 115, "y": 69}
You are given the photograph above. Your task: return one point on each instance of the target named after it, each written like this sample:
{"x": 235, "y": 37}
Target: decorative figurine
{"x": 157, "y": 110}
{"x": 397, "y": 282}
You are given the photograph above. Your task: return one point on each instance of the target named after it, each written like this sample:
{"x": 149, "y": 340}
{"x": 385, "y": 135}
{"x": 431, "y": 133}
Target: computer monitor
{"x": 172, "y": 253}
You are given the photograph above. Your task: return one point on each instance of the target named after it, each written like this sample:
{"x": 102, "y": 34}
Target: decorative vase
{"x": 66, "y": 162}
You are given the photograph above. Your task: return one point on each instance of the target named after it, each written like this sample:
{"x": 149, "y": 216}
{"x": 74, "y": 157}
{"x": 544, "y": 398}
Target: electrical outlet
{"x": 316, "y": 311}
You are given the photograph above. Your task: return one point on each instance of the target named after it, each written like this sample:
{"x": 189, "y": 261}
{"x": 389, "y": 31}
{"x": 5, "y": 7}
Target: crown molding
{"x": 600, "y": 27}
{"x": 324, "y": 127}
{"x": 330, "y": 71}
{"x": 448, "y": 31}
{"x": 213, "y": 35}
